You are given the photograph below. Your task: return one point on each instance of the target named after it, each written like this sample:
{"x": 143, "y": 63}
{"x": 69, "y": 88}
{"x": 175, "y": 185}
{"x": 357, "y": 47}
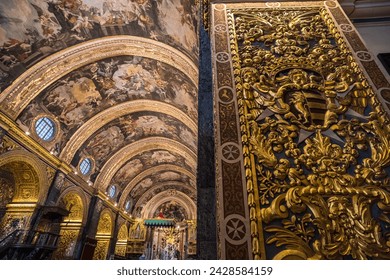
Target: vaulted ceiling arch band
{"x": 151, "y": 143}
{"x": 170, "y": 185}
{"x": 33, "y": 81}
{"x": 103, "y": 118}
{"x": 164, "y": 167}
{"x": 152, "y": 206}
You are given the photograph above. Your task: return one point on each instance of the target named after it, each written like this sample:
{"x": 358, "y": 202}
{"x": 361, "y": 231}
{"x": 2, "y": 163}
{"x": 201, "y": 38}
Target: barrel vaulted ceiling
{"x": 118, "y": 78}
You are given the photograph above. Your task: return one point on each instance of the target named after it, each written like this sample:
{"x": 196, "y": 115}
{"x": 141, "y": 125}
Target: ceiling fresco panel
{"x": 128, "y": 129}
{"x": 146, "y": 161}
{"x": 99, "y": 86}
{"x": 30, "y": 30}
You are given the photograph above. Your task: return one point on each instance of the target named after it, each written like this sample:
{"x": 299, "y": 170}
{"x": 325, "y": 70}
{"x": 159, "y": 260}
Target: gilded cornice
{"x": 21, "y": 137}
{"x": 123, "y": 155}
{"x": 150, "y": 171}
{"x": 103, "y": 118}
{"x": 33, "y": 81}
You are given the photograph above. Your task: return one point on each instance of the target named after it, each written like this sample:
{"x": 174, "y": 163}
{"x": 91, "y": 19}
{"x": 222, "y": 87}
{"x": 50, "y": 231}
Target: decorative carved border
{"x": 366, "y": 60}
{"x": 232, "y": 214}
{"x": 35, "y": 163}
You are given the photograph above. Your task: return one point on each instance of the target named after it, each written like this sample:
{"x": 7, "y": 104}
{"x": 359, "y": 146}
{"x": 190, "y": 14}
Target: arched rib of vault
{"x": 153, "y": 204}
{"x": 34, "y": 80}
{"x": 151, "y": 143}
{"x": 126, "y": 108}
{"x": 156, "y": 169}
{"x": 171, "y": 185}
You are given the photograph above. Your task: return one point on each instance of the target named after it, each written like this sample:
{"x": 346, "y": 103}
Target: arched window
{"x": 45, "y": 128}
{"x": 85, "y": 166}
{"x": 112, "y": 191}
{"x": 128, "y": 205}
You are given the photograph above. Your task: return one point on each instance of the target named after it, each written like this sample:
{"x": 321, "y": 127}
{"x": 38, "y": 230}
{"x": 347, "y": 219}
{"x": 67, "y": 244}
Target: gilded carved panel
{"x": 315, "y": 137}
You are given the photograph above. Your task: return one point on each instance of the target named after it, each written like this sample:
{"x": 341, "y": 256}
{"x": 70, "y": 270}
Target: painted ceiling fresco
{"x": 128, "y": 129}
{"x": 145, "y": 161}
{"x": 30, "y": 30}
{"x": 94, "y": 88}
{"x": 171, "y": 210}
{"x": 135, "y": 116}
{"x": 160, "y": 177}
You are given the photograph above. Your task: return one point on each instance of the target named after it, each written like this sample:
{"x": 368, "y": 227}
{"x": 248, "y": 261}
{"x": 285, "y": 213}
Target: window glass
{"x": 85, "y": 166}
{"x": 127, "y": 205}
{"x": 111, "y": 191}
{"x": 45, "y": 128}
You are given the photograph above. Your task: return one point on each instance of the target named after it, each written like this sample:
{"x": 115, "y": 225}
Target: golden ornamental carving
{"x": 316, "y": 141}
{"x": 122, "y": 234}
{"x": 137, "y": 230}
{"x": 105, "y": 224}
{"x": 101, "y": 250}
{"x": 6, "y": 144}
{"x": 66, "y": 244}
{"x": 120, "y": 250}
{"x": 74, "y": 205}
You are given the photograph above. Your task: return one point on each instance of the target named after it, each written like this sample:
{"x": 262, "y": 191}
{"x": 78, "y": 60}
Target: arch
{"x": 37, "y": 170}
{"x": 151, "y": 143}
{"x": 74, "y": 201}
{"x": 171, "y": 191}
{"x": 150, "y": 171}
{"x": 105, "y": 225}
{"x": 106, "y": 116}
{"x": 28, "y": 85}
{"x": 153, "y": 204}
{"x": 103, "y": 234}
{"x": 121, "y": 244}
{"x": 123, "y": 232}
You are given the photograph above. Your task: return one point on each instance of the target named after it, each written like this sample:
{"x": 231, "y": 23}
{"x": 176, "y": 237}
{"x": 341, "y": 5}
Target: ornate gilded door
{"x": 302, "y": 137}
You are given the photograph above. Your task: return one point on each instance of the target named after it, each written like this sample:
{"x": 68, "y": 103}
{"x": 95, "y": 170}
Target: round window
{"x": 111, "y": 191}
{"x": 85, "y": 166}
{"x": 45, "y": 128}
